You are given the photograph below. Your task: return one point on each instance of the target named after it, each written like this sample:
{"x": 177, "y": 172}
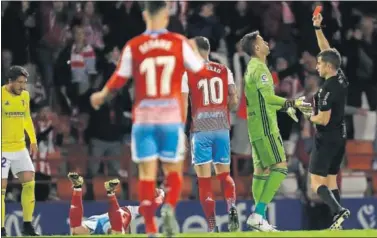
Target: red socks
{"x": 207, "y": 201}
{"x": 115, "y": 215}
{"x": 148, "y": 207}
{"x": 76, "y": 210}
{"x": 229, "y": 188}
{"x": 173, "y": 188}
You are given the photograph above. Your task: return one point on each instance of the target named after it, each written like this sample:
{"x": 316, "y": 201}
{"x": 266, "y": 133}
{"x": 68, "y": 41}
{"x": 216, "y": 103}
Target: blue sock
{"x": 261, "y": 209}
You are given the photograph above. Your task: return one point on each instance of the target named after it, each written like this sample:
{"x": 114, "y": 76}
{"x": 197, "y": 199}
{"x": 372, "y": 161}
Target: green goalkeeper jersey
{"x": 262, "y": 103}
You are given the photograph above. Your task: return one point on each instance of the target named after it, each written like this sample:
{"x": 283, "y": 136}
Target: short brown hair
{"x": 202, "y": 43}
{"x": 153, "y": 7}
{"x": 332, "y": 57}
{"x": 248, "y": 41}
{"x": 17, "y": 71}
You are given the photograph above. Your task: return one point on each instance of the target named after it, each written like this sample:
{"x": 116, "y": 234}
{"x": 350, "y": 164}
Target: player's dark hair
{"x": 153, "y": 7}
{"x": 17, "y": 71}
{"x": 202, "y": 43}
{"x": 332, "y": 57}
{"x": 248, "y": 41}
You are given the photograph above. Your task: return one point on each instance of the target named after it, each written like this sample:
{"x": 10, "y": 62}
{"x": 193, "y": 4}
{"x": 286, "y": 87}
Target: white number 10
{"x": 148, "y": 66}
{"x": 209, "y": 87}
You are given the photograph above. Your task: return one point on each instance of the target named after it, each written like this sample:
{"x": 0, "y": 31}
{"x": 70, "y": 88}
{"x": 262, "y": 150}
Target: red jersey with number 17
{"x": 156, "y": 60}
{"x": 209, "y": 97}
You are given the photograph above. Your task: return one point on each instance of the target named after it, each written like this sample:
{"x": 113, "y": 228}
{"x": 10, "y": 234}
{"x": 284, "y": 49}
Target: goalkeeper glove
{"x": 300, "y": 104}
{"x": 292, "y": 113}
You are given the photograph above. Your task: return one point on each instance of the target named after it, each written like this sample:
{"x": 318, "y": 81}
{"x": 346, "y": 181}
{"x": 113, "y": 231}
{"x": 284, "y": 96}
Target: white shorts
{"x": 18, "y": 161}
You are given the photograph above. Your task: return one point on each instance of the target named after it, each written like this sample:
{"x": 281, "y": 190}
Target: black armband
{"x": 289, "y": 103}
{"x": 317, "y": 27}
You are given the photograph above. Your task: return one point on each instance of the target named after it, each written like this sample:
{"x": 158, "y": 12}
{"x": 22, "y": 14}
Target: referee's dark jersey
{"x": 330, "y": 140}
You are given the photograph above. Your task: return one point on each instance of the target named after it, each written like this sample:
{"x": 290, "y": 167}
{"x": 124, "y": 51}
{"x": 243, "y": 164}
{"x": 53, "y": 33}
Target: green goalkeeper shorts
{"x": 268, "y": 151}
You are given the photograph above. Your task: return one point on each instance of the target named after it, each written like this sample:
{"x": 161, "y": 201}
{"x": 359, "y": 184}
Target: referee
{"x": 330, "y": 139}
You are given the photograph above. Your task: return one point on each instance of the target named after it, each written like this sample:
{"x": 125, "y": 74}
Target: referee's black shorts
{"x": 327, "y": 154}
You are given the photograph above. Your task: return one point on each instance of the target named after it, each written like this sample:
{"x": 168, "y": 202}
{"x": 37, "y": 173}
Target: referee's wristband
{"x": 317, "y": 28}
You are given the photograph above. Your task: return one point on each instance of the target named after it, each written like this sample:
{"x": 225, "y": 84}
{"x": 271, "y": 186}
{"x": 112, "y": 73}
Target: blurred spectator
{"x": 177, "y": 16}
{"x": 107, "y": 126}
{"x": 240, "y": 143}
{"x": 206, "y": 24}
{"x": 45, "y": 122}
{"x": 55, "y": 33}
{"x": 239, "y": 22}
{"x": 93, "y": 27}
{"x": 6, "y": 63}
{"x": 19, "y": 24}
{"x": 361, "y": 66}
{"x": 76, "y": 71}
{"x": 124, "y": 21}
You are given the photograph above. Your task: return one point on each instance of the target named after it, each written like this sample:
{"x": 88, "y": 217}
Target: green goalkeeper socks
{"x": 258, "y": 186}
{"x": 276, "y": 177}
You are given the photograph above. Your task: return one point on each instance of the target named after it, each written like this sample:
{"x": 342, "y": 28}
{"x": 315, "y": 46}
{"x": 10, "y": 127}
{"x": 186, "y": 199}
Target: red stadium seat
{"x": 359, "y": 154}
{"x": 359, "y": 147}
{"x": 133, "y": 188}
{"x": 243, "y": 185}
{"x": 186, "y": 188}
{"x": 64, "y": 188}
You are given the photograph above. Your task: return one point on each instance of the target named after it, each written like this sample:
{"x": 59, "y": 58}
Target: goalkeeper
{"x": 267, "y": 145}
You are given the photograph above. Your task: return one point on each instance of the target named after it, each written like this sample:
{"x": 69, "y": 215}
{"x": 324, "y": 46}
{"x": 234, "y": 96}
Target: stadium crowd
{"x": 71, "y": 48}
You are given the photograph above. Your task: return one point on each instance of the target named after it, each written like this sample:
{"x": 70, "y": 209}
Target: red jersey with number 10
{"x": 156, "y": 60}
{"x": 209, "y": 97}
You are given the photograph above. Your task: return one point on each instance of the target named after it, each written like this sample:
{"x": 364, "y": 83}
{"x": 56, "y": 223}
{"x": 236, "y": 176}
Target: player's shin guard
{"x": 207, "y": 201}
{"x": 76, "y": 210}
{"x": 28, "y": 200}
{"x": 115, "y": 215}
{"x": 148, "y": 207}
{"x": 174, "y": 187}
{"x": 3, "y": 191}
{"x": 229, "y": 188}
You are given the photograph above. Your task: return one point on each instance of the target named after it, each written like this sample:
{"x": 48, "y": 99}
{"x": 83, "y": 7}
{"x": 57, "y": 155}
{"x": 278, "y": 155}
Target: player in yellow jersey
{"x": 16, "y": 119}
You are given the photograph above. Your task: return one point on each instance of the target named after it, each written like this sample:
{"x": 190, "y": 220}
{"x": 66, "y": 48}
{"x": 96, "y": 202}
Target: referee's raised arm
{"x": 321, "y": 39}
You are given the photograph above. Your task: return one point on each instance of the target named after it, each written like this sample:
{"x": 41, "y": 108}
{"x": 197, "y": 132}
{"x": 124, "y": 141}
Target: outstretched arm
{"x": 321, "y": 39}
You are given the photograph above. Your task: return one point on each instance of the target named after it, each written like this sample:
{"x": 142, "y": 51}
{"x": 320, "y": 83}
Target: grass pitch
{"x": 326, "y": 233}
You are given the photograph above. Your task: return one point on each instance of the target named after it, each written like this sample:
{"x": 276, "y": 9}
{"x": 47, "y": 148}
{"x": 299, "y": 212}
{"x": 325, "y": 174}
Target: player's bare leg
{"x": 76, "y": 210}
{"x": 207, "y": 201}
{"x": 173, "y": 177}
{"x": 114, "y": 212}
{"x": 324, "y": 187}
{"x": 229, "y": 191}
{"x": 4, "y": 183}
{"x": 147, "y": 189}
{"x": 27, "y": 179}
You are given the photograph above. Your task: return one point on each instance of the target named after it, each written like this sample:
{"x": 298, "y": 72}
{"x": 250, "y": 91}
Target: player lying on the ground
{"x": 115, "y": 221}
{"x": 211, "y": 100}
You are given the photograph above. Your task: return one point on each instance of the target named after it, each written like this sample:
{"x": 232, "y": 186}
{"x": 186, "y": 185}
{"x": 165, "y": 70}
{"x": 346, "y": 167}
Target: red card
{"x": 317, "y": 10}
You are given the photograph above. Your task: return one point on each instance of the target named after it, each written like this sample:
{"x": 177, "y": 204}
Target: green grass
{"x": 345, "y": 233}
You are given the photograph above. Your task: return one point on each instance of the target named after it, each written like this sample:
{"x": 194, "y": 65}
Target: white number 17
{"x": 149, "y": 65}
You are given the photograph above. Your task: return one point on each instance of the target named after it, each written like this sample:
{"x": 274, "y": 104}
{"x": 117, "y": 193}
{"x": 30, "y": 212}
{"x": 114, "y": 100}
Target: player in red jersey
{"x": 116, "y": 221}
{"x": 211, "y": 99}
{"x": 157, "y": 60}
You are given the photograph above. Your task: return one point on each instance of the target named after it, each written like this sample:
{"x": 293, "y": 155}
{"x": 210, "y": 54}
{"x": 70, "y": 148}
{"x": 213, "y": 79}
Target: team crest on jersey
{"x": 6, "y": 103}
{"x": 23, "y": 102}
{"x": 264, "y": 78}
